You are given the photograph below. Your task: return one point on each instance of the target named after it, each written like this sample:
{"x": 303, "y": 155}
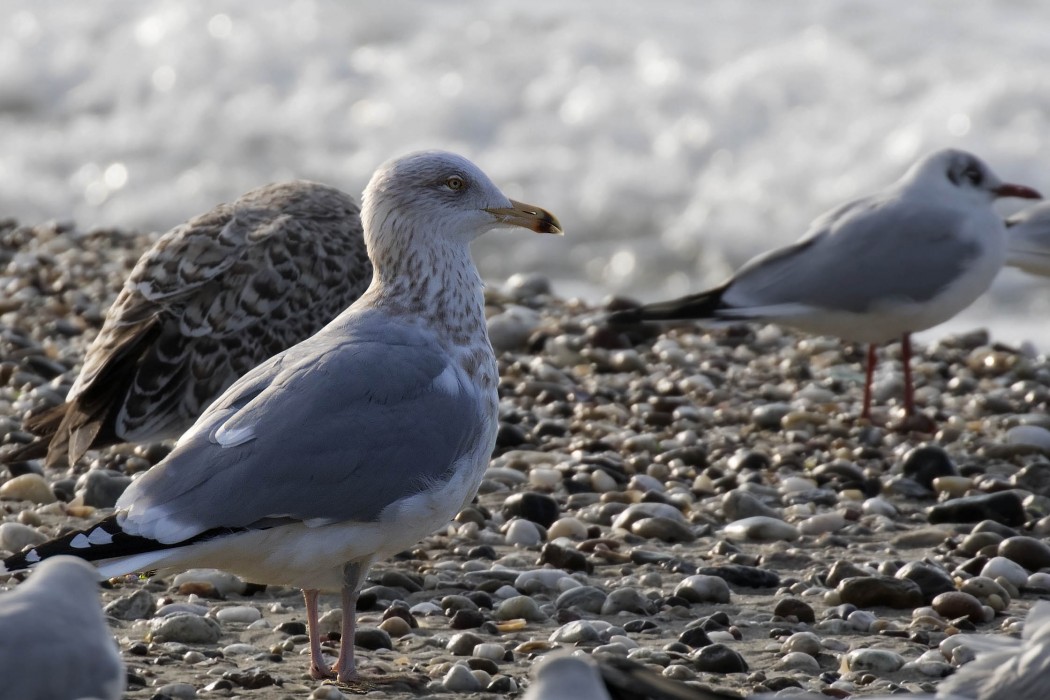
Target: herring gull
{"x": 875, "y": 269}
{"x": 352, "y": 445}
{"x": 54, "y": 642}
{"x": 210, "y": 300}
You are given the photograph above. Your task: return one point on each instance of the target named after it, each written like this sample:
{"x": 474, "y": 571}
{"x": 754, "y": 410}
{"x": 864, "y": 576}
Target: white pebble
{"x": 761, "y": 528}
{"x": 1008, "y": 569}
{"x": 821, "y": 523}
{"x": 238, "y": 613}
{"x": 545, "y": 478}
{"x": 523, "y": 533}
{"x": 568, "y": 527}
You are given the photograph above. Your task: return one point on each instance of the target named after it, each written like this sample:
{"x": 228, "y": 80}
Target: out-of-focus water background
{"x": 674, "y": 139}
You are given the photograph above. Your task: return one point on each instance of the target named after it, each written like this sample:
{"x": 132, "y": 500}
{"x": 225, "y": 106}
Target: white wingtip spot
{"x": 32, "y": 557}
{"x": 99, "y": 536}
{"x": 80, "y": 542}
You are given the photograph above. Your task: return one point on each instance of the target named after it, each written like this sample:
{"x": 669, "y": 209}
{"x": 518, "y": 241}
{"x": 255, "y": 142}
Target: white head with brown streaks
{"x": 421, "y": 211}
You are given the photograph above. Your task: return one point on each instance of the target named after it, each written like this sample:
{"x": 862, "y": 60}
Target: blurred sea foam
{"x": 673, "y": 139}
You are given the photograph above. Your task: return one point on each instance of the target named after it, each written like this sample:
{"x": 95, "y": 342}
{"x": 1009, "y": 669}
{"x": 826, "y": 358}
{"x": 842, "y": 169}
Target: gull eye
{"x": 455, "y": 182}
{"x": 974, "y": 175}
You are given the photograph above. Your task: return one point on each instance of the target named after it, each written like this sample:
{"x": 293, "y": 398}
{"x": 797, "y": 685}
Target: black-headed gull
{"x": 875, "y": 269}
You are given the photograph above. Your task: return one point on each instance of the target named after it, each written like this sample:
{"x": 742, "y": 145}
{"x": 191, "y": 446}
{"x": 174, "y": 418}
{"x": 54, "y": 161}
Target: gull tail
{"x": 106, "y": 544}
{"x": 104, "y": 540}
{"x": 694, "y": 306}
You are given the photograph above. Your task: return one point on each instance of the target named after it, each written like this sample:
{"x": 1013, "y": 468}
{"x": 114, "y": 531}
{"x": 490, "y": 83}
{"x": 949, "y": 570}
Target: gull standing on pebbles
{"x": 354, "y": 444}
{"x": 875, "y": 269}
{"x": 210, "y": 300}
{"x": 1029, "y": 237}
{"x": 54, "y": 642}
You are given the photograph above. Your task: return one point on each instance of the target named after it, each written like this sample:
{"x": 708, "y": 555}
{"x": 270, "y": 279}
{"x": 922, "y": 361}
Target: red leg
{"x": 869, "y": 374}
{"x": 909, "y": 389}
{"x": 318, "y": 668}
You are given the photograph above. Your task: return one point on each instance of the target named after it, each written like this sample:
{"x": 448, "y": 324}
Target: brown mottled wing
{"x": 209, "y": 301}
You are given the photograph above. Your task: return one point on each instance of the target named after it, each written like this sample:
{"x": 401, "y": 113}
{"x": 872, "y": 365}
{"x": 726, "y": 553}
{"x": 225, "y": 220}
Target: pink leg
{"x": 909, "y": 389}
{"x": 318, "y": 668}
{"x": 353, "y": 575}
{"x": 869, "y": 374}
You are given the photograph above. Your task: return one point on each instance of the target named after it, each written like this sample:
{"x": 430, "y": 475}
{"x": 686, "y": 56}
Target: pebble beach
{"x": 701, "y": 500}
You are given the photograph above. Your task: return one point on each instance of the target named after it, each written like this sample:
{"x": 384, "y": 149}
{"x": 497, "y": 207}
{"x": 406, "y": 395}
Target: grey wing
{"x": 865, "y": 252}
{"x": 332, "y": 430}
{"x": 224, "y": 292}
{"x": 1029, "y": 239}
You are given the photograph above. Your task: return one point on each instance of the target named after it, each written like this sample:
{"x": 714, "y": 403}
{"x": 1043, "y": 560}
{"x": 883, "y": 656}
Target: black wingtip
{"x": 692, "y": 307}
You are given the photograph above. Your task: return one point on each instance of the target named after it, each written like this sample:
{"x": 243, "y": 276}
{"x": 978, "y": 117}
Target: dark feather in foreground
{"x": 210, "y": 300}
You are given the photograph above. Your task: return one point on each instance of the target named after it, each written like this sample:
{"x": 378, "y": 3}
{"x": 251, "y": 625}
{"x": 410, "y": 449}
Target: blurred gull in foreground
{"x": 352, "y": 445}
{"x": 1028, "y": 232}
{"x": 209, "y": 301}
{"x": 1005, "y": 668}
{"x": 875, "y": 269}
{"x": 54, "y": 642}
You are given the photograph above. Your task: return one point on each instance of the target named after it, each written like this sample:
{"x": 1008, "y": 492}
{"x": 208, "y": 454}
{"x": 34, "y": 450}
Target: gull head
{"x": 443, "y": 197}
{"x": 962, "y": 176}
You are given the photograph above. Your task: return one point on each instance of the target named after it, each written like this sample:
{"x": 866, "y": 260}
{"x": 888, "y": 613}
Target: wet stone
{"x": 957, "y": 604}
{"x": 718, "y": 658}
{"x": 694, "y": 638}
{"x": 874, "y": 591}
{"x": 1031, "y": 553}
{"x": 467, "y": 619}
{"x": 565, "y": 558}
{"x": 794, "y": 608}
{"x": 537, "y": 507}
{"x": 703, "y": 589}
{"x": 931, "y": 580}
{"x": 1004, "y": 507}
{"x": 372, "y": 638}
{"x": 925, "y": 463}
{"x": 742, "y": 575}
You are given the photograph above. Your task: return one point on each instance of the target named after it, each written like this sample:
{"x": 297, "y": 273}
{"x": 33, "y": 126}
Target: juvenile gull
{"x": 1028, "y": 233}
{"x": 54, "y": 642}
{"x": 874, "y": 269}
{"x": 211, "y": 299}
{"x": 352, "y": 445}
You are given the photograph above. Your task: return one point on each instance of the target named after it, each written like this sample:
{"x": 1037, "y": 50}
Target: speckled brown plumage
{"x": 209, "y": 301}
